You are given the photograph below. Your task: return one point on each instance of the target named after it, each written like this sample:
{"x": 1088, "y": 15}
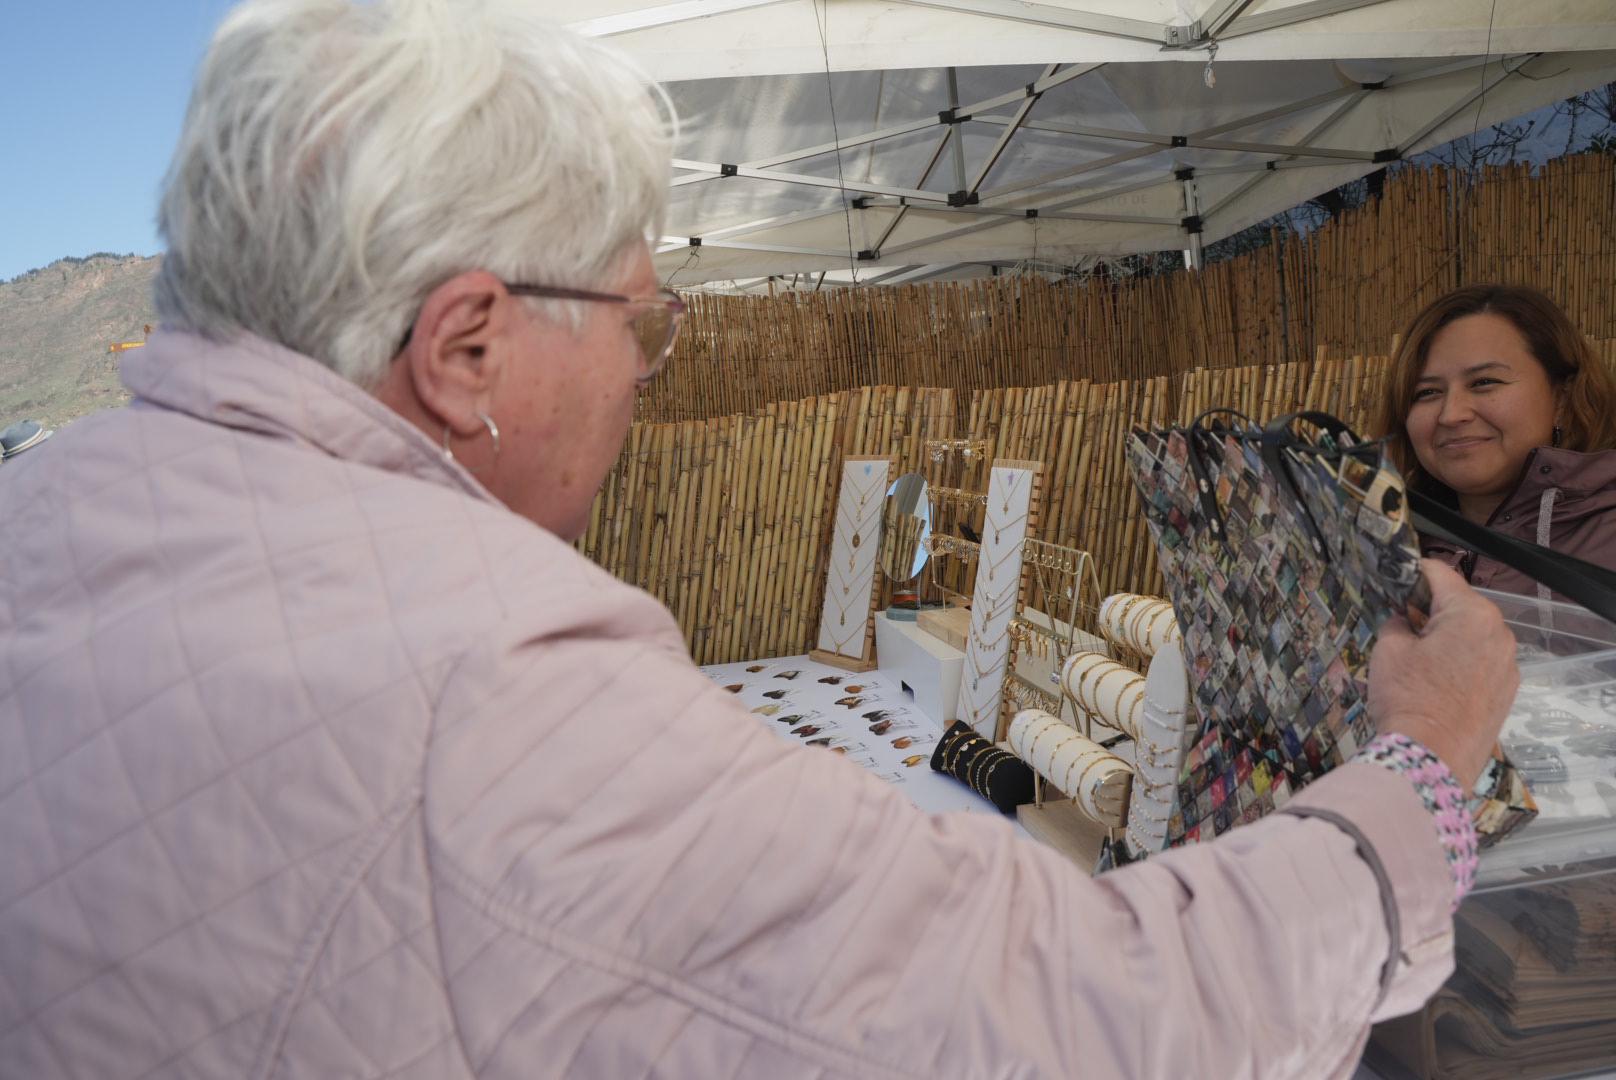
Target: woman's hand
{"x": 1450, "y": 686}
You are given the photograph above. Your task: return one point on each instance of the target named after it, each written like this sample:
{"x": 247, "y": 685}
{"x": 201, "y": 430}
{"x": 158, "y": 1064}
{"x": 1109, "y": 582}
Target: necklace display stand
{"x": 847, "y": 620}
{"x": 1015, "y": 492}
{"x": 1159, "y": 750}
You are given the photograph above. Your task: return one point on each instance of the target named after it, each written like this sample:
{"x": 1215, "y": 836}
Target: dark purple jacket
{"x": 1565, "y": 501}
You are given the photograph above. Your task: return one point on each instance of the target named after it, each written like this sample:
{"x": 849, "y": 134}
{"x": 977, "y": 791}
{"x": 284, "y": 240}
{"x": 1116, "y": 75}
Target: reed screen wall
{"x": 720, "y": 505}
{"x": 1347, "y": 287}
{"x": 727, "y": 521}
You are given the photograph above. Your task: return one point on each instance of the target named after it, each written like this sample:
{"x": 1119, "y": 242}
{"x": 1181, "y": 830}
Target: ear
{"x": 454, "y": 359}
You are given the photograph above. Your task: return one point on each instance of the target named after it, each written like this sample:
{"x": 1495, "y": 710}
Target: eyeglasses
{"x": 656, "y": 326}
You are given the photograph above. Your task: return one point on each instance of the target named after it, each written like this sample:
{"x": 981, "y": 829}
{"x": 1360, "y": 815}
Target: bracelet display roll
{"x": 996, "y": 775}
{"x": 1142, "y": 623}
{"x": 1075, "y": 766}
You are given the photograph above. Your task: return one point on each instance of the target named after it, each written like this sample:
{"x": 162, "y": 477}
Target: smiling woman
{"x": 1498, "y": 406}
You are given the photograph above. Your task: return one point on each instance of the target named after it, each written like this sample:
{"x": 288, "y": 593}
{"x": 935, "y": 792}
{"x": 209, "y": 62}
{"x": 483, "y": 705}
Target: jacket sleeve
{"x": 632, "y": 877}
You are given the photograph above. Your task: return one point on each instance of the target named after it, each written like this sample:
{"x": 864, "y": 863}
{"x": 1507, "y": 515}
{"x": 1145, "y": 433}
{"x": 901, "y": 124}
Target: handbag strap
{"x": 1588, "y": 584}
{"x": 1206, "y": 491}
{"x": 1278, "y": 437}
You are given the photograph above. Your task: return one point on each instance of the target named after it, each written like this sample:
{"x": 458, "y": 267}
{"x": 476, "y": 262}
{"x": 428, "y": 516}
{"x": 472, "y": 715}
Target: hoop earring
{"x": 493, "y": 433}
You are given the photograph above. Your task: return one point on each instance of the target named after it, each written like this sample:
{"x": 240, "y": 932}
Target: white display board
{"x": 846, "y": 631}
{"x": 996, "y": 596}
{"x": 1159, "y": 750}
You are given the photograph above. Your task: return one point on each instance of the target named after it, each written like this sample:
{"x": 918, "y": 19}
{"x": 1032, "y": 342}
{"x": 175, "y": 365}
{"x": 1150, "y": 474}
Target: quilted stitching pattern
{"x": 216, "y": 680}
{"x": 314, "y": 762}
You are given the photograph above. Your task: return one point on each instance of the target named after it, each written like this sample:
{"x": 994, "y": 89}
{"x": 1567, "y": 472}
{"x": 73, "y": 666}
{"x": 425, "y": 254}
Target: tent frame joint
{"x": 1192, "y": 224}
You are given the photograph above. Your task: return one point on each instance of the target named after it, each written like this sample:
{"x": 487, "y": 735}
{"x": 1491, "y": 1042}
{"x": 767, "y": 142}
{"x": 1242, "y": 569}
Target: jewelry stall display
{"x": 1078, "y": 767}
{"x": 1149, "y": 709}
{"x": 991, "y": 771}
{"x": 942, "y": 547}
{"x": 1145, "y": 624}
{"x": 1014, "y": 495}
{"x": 969, "y": 451}
{"x": 906, "y": 528}
{"x": 1058, "y": 610}
{"x": 847, "y": 620}
{"x": 1158, "y": 751}
{"x": 884, "y": 734}
{"x": 956, "y": 473}
{"x": 1106, "y": 691}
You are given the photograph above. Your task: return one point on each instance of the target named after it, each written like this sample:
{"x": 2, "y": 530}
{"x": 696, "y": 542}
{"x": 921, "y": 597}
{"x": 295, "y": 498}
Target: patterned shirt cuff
{"x": 1442, "y": 796}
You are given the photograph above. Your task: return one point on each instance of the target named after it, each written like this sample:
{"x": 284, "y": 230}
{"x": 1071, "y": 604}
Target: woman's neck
{"x": 1478, "y": 508}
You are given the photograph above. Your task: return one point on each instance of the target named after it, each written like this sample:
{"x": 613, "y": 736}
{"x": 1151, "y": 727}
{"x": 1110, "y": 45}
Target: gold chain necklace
{"x": 1011, "y": 485}
{"x": 856, "y": 514}
{"x": 977, "y": 673}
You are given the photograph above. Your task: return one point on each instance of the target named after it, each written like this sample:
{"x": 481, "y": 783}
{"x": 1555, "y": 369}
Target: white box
{"x": 925, "y": 667}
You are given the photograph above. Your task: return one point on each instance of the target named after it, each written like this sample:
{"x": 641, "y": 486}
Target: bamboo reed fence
{"x": 728, "y": 520}
{"x": 1346, "y": 287}
{"x": 722, "y": 502}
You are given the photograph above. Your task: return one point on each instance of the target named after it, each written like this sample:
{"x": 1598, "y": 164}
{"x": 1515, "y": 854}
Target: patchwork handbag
{"x": 1284, "y": 553}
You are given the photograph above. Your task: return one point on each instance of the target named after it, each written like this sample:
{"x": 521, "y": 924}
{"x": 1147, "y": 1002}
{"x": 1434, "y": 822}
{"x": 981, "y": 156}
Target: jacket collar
{"x": 250, "y": 384}
{"x": 1586, "y": 484}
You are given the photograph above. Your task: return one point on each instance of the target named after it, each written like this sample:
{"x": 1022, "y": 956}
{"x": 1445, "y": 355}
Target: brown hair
{"x": 1586, "y": 385}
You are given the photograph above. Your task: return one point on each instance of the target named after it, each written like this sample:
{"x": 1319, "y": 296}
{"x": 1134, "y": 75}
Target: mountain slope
{"x": 55, "y": 326}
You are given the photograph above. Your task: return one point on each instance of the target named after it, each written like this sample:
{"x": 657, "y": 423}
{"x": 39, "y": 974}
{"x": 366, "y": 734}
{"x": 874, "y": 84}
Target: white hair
{"x": 340, "y": 160}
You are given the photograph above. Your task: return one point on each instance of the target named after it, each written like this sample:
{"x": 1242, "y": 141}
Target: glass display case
{"x": 1534, "y": 990}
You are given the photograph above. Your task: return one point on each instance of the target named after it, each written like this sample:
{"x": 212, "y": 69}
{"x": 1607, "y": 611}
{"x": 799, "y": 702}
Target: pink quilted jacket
{"x": 317, "y": 762}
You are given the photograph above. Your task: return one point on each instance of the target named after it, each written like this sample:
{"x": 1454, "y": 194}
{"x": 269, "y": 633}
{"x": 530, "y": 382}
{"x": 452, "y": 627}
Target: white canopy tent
{"x": 875, "y": 137}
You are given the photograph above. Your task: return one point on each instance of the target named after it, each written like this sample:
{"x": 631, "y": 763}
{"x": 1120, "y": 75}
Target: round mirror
{"x": 905, "y": 528}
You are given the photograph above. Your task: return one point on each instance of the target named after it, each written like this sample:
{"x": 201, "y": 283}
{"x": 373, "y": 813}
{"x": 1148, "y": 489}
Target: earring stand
{"x": 852, "y": 588}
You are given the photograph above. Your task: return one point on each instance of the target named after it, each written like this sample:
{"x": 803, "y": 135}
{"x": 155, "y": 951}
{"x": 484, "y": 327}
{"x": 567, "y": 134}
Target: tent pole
{"x": 1194, "y": 256}
{"x": 954, "y": 132}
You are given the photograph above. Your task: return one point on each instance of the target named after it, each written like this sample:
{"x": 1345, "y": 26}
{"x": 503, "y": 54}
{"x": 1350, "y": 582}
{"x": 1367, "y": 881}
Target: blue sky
{"x": 92, "y": 93}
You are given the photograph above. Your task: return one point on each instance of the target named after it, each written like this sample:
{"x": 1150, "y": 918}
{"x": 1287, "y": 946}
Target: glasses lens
{"x": 652, "y": 329}
{"x": 656, "y": 329}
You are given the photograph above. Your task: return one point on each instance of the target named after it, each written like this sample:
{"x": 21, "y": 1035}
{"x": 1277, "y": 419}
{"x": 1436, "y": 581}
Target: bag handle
{"x": 1278, "y": 437}
{"x": 1206, "y": 492}
{"x": 1588, "y": 584}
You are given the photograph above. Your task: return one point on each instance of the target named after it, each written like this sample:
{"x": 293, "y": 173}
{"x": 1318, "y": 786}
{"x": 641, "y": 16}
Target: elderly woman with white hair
{"x": 322, "y": 752}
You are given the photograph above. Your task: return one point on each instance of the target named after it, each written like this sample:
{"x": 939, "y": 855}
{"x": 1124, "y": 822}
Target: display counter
{"x": 1533, "y": 993}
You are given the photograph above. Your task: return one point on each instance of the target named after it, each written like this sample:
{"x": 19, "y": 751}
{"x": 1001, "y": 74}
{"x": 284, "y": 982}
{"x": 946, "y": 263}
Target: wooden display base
{"x": 1063, "y": 826}
{"x": 951, "y": 625}
{"x": 846, "y": 663}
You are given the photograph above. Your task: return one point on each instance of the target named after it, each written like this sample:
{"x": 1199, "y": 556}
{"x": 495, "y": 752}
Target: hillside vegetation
{"x": 55, "y": 326}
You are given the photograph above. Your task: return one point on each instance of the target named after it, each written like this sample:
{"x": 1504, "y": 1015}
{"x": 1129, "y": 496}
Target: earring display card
{"x": 1014, "y": 494}
{"x": 846, "y": 623}
{"x": 862, "y": 717}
